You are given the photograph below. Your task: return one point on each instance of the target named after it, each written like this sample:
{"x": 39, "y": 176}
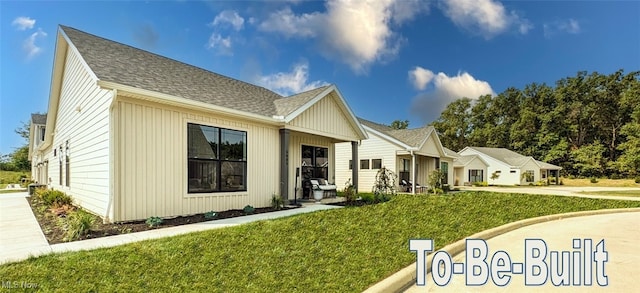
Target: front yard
{"x": 342, "y": 250}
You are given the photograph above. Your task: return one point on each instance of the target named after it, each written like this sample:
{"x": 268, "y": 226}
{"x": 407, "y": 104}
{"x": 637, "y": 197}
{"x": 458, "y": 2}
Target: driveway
{"x": 560, "y": 190}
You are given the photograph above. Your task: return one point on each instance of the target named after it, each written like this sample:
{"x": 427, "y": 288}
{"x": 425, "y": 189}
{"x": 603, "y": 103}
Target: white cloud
{"x": 220, "y": 44}
{"x": 293, "y": 82}
{"x": 447, "y": 89}
{"x": 24, "y": 23}
{"x": 569, "y": 26}
{"x": 29, "y": 45}
{"x": 420, "y": 77}
{"x": 229, "y": 17}
{"x": 486, "y": 17}
{"x": 357, "y": 33}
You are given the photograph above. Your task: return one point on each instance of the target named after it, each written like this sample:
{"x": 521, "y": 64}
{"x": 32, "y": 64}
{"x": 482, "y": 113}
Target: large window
{"x": 217, "y": 159}
{"x": 444, "y": 167}
{"x": 476, "y": 175}
{"x": 315, "y": 162}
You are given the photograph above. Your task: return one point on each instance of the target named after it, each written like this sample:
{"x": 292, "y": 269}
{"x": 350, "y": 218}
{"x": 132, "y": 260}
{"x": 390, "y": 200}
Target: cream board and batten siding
{"x": 374, "y": 147}
{"x": 151, "y": 162}
{"x": 83, "y": 120}
{"x": 324, "y": 118}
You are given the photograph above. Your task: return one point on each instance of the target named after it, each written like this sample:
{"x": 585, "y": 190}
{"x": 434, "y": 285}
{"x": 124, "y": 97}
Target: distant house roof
{"x": 510, "y": 157}
{"x": 122, "y": 64}
{"x": 411, "y": 137}
{"x": 39, "y": 118}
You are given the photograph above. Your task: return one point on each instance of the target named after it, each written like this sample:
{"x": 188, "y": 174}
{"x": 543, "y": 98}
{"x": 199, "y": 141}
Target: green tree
{"x": 400, "y": 124}
{"x": 454, "y": 124}
{"x": 588, "y": 159}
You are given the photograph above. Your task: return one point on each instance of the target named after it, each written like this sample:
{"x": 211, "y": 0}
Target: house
{"x": 412, "y": 154}
{"x": 36, "y": 137}
{"x": 506, "y": 166}
{"x": 467, "y": 169}
{"x": 131, "y": 134}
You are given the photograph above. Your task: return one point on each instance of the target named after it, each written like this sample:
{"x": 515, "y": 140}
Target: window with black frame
{"x": 315, "y": 162}
{"x": 476, "y": 175}
{"x": 217, "y": 159}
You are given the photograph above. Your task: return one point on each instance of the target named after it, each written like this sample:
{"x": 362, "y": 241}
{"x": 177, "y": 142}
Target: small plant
{"x": 277, "y": 202}
{"x": 438, "y": 191}
{"x": 78, "y": 224}
{"x": 210, "y": 215}
{"x": 369, "y": 198}
{"x": 248, "y": 210}
{"x": 61, "y": 210}
{"x": 349, "y": 191}
{"x": 495, "y": 175}
{"x": 385, "y": 184}
{"x": 435, "y": 179}
{"x": 125, "y": 230}
{"x": 637, "y": 180}
{"x": 593, "y": 180}
{"x": 154, "y": 222}
{"x": 480, "y": 183}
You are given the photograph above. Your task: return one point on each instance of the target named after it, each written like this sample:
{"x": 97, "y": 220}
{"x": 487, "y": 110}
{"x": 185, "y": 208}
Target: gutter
{"x": 114, "y": 101}
{"x": 171, "y": 99}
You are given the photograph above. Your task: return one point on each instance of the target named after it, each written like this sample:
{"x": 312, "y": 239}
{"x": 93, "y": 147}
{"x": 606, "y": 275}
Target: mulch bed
{"x": 53, "y": 231}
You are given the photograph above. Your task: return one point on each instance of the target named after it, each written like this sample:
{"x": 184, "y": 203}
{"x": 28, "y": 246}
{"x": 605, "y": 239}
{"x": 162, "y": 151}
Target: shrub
{"x": 52, "y": 198}
{"x": 349, "y": 191}
{"x": 210, "y": 215}
{"x": 248, "y": 210}
{"x": 594, "y": 180}
{"x": 61, "y": 210}
{"x": 368, "y": 198}
{"x": 480, "y": 183}
{"x": 277, "y": 202}
{"x": 154, "y": 222}
{"x": 78, "y": 223}
{"x": 438, "y": 191}
{"x": 637, "y": 180}
{"x": 435, "y": 178}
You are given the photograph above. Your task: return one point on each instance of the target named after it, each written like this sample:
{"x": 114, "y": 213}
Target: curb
{"x": 406, "y": 277}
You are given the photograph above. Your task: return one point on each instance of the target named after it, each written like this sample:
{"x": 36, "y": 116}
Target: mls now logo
{"x": 563, "y": 268}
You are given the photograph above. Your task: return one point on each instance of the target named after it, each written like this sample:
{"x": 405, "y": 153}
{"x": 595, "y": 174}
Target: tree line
{"x": 588, "y": 124}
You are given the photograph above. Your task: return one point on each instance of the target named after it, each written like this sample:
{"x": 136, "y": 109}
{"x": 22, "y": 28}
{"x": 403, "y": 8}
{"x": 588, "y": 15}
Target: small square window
{"x": 512, "y": 171}
{"x": 364, "y": 164}
{"x": 376, "y": 163}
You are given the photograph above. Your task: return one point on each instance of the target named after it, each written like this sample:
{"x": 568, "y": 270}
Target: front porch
{"x": 414, "y": 170}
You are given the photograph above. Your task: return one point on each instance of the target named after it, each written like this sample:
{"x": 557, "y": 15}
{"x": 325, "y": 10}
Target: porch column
{"x": 557, "y": 177}
{"x": 354, "y": 165}
{"x": 413, "y": 173}
{"x": 284, "y": 163}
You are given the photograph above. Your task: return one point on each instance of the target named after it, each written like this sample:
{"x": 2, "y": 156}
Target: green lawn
{"x": 633, "y": 193}
{"x": 11, "y": 191}
{"x": 342, "y": 250}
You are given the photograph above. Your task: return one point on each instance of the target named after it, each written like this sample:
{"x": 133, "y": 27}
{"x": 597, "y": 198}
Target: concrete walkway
{"x": 620, "y": 232}
{"x": 21, "y": 236}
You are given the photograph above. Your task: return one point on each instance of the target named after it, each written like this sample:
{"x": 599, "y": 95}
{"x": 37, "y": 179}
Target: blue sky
{"x": 391, "y": 59}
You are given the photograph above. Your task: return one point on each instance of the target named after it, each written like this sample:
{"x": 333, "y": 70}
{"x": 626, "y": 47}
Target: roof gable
{"x": 417, "y": 139}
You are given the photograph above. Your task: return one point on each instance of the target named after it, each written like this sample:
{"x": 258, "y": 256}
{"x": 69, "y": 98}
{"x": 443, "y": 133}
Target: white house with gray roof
{"x": 510, "y": 167}
{"x": 131, "y": 134}
{"x": 413, "y": 154}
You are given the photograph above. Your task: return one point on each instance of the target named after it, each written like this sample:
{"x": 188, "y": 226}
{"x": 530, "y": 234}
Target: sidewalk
{"x": 21, "y": 236}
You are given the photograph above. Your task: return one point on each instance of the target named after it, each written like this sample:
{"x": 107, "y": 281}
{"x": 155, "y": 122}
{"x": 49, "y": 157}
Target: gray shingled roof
{"x": 460, "y": 161}
{"x": 39, "y": 118}
{"x": 450, "y": 152}
{"x": 508, "y": 156}
{"x": 115, "y": 62}
{"x": 412, "y": 137}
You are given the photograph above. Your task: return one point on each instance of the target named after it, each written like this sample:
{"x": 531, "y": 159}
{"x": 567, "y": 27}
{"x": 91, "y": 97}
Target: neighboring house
{"x": 39, "y": 166}
{"x": 510, "y": 167}
{"x": 413, "y": 154}
{"x": 131, "y": 134}
{"x": 467, "y": 169}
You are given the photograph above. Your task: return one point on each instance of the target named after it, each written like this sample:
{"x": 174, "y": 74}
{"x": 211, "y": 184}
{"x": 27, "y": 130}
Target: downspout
{"x": 413, "y": 173}
{"x": 111, "y": 156}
